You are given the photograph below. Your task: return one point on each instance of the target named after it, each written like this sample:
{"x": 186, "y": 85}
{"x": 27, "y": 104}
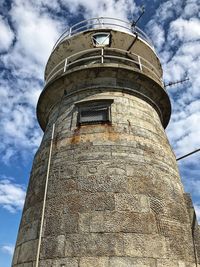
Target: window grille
{"x": 94, "y": 113}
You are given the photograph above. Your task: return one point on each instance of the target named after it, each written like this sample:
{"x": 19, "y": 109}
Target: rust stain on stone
{"x": 76, "y": 136}
{"x": 107, "y": 133}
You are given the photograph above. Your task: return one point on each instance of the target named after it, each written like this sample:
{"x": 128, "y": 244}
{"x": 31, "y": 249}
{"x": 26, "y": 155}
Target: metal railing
{"x": 105, "y": 55}
{"x": 103, "y": 23}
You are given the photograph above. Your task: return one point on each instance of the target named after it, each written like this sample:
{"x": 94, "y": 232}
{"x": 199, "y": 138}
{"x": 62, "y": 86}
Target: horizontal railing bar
{"x": 84, "y": 52}
{"x": 101, "y": 21}
{"x": 97, "y": 24}
{"x": 74, "y": 60}
{"x": 158, "y": 78}
{"x": 143, "y": 59}
{"x": 54, "y": 75}
{"x": 55, "y": 68}
{"x": 83, "y": 59}
{"x": 121, "y": 58}
{"x": 99, "y": 18}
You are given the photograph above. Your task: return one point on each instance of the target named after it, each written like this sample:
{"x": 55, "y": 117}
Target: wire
{"x": 182, "y": 157}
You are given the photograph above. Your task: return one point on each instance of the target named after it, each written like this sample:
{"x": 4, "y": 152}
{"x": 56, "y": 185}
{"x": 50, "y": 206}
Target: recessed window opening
{"x": 101, "y": 39}
{"x": 94, "y": 113}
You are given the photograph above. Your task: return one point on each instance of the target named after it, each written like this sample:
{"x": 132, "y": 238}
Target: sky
{"x": 28, "y": 31}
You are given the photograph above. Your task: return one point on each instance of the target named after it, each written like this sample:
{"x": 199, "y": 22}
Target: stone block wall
{"x": 114, "y": 199}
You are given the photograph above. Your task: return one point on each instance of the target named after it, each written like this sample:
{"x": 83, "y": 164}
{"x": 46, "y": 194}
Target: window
{"x": 93, "y": 112}
{"x": 101, "y": 39}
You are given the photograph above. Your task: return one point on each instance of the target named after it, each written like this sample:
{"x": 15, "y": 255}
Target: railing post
{"x": 139, "y": 61}
{"x": 102, "y": 55}
{"x": 70, "y": 31}
{"x": 65, "y": 66}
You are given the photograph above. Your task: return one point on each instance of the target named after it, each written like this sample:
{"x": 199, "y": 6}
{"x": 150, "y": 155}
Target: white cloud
{"x": 18, "y": 127}
{"x": 168, "y": 10}
{"x": 6, "y": 35}
{"x": 192, "y": 8}
{"x": 157, "y": 34}
{"x": 117, "y": 9}
{"x": 184, "y": 30}
{"x": 11, "y": 195}
{"x": 9, "y": 249}
{"x": 180, "y": 57}
{"x": 36, "y": 33}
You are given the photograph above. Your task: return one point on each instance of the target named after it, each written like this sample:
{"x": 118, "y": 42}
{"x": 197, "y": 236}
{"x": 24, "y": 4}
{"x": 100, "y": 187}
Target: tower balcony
{"x": 106, "y": 41}
{"x": 106, "y": 56}
{"x": 103, "y": 54}
{"x": 103, "y": 23}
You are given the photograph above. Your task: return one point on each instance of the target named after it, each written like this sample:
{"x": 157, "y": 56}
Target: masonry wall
{"x": 114, "y": 197}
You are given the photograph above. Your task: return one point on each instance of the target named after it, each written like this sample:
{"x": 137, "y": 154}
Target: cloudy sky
{"x": 28, "y": 31}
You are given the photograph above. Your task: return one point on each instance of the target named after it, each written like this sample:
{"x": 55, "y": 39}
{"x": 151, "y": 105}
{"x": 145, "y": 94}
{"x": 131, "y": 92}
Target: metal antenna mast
{"x": 176, "y": 82}
{"x": 141, "y": 14}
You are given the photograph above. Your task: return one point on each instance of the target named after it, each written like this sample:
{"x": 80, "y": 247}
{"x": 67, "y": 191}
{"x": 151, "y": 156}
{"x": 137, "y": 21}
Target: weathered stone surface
{"x": 27, "y": 251}
{"x": 94, "y": 262}
{"x": 53, "y": 247}
{"x": 16, "y": 255}
{"x": 136, "y": 245}
{"x": 130, "y": 202}
{"x": 103, "y": 183}
{"x": 62, "y": 262}
{"x": 80, "y": 202}
{"x": 28, "y": 232}
{"x": 27, "y": 264}
{"x": 114, "y": 195}
{"x": 133, "y": 222}
{"x": 61, "y": 224}
{"x": 132, "y": 262}
{"x": 101, "y": 244}
{"x": 174, "y": 263}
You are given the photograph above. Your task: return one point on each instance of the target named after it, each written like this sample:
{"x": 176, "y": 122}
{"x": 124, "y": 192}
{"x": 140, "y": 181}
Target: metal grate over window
{"x": 93, "y": 113}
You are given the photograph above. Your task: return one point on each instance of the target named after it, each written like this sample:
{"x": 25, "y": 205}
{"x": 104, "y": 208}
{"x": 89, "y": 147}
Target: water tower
{"x": 105, "y": 190}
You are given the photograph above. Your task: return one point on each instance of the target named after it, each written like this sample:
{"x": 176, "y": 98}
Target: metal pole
{"x": 101, "y": 55}
{"x": 65, "y": 66}
{"x": 44, "y": 200}
{"x": 139, "y": 61}
{"x": 46, "y": 184}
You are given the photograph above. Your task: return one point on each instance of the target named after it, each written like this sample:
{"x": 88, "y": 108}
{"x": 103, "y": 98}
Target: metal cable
{"x": 182, "y": 157}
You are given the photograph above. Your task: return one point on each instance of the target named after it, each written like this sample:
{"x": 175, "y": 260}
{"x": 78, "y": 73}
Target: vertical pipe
{"x": 65, "y": 66}
{"x": 44, "y": 200}
{"x": 101, "y": 55}
{"x": 139, "y": 61}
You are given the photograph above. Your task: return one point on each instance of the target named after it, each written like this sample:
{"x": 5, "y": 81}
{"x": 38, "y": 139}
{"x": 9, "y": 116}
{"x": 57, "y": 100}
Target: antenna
{"x": 195, "y": 151}
{"x": 176, "y": 82}
{"x": 141, "y": 14}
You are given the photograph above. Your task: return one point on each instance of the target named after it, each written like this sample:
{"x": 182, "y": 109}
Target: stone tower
{"x": 105, "y": 190}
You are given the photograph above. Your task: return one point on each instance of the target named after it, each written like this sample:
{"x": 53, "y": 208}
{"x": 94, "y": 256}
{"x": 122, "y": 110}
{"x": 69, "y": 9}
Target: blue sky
{"x": 28, "y": 31}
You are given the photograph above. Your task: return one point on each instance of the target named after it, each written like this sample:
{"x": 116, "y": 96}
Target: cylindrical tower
{"x": 105, "y": 189}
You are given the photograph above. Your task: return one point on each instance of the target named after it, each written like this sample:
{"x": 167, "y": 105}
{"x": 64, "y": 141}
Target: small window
{"x": 94, "y": 112}
{"x": 101, "y": 39}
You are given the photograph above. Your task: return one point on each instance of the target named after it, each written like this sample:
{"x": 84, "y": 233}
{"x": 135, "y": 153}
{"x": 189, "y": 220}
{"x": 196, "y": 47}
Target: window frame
{"x": 94, "y": 106}
{"x": 95, "y": 42}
